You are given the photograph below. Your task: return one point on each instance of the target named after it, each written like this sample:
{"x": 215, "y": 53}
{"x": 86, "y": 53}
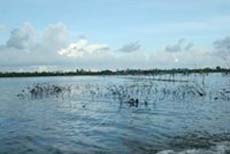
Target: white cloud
{"x": 82, "y": 48}
{"x": 55, "y": 36}
{"x": 22, "y": 38}
{"x": 41, "y": 47}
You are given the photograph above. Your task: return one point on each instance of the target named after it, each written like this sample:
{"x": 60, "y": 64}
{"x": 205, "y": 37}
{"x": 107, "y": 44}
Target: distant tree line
{"x": 80, "y": 72}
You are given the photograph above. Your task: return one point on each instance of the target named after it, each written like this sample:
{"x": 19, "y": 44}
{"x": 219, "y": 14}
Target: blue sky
{"x": 152, "y": 24}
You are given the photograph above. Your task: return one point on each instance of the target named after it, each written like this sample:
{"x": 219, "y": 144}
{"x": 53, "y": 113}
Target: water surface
{"x": 96, "y": 115}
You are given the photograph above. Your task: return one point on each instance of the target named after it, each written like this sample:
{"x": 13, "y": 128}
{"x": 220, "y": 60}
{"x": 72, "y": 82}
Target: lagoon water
{"x": 95, "y": 114}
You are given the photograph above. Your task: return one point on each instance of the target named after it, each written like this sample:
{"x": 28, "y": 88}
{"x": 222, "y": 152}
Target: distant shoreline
{"x": 82, "y": 72}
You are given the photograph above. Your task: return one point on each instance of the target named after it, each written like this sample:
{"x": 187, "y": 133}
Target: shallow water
{"x": 94, "y": 115}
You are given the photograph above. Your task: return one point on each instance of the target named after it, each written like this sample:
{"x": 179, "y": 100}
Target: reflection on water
{"x": 115, "y": 114}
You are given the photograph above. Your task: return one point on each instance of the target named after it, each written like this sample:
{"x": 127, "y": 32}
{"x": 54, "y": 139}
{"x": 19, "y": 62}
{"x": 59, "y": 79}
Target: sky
{"x": 113, "y": 34}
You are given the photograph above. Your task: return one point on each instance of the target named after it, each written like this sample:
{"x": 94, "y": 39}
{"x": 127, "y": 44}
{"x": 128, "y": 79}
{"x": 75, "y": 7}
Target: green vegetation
{"x": 118, "y": 72}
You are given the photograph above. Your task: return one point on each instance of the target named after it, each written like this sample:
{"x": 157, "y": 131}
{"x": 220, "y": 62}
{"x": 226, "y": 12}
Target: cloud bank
{"x": 53, "y": 46}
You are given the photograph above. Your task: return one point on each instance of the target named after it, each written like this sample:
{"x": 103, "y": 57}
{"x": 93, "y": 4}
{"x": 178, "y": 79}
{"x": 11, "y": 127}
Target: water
{"x": 97, "y": 115}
